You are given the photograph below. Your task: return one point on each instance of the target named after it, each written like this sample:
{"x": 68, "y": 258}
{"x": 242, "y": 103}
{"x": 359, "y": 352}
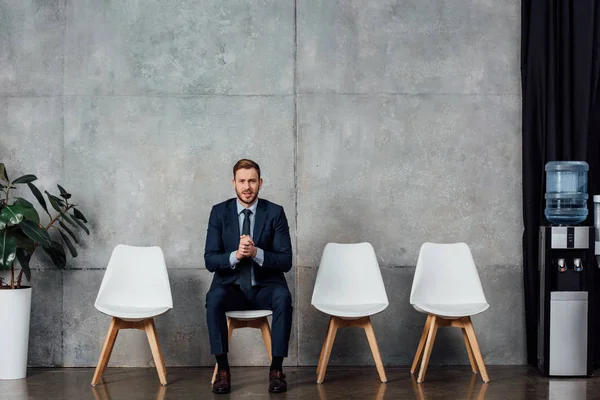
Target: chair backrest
{"x": 446, "y": 274}
{"x": 349, "y": 274}
{"x": 136, "y": 277}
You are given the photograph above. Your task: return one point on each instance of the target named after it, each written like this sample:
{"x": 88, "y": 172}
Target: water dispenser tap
{"x": 562, "y": 266}
{"x": 578, "y": 264}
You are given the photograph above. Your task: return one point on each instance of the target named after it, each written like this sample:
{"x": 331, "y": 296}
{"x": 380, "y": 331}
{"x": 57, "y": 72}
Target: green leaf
{"x": 3, "y": 174}
{"x": 37, "y": 234}
{"x": 12, "y": 215}
{"x": 23, "y": 241}
{"x": 58, "y": 199}
{"x": 70, "y": 232}
{"x": 63, "y": 193}
{"x": 30, "y": 212}
{"x": 32, "y": 215}
{"x": 23, "y": 202}
{"x": 8, "y": 249}
{"x": 38, "y": 195}
{"x": 77, "y": 214}
{"x": 2, "y": 223}
{"x": 53, "y": 202}
{"x": 57, "y": 254}
{"x": 68, "y": 243}
{"x": 82, "y": 226}
{"x": 23, "y": 257}
{"x": 70, "y": 220}
{"x": 25, "y": 179}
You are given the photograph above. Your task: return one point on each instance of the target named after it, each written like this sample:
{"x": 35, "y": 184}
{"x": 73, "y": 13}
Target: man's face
{"x": 247, "y": 185}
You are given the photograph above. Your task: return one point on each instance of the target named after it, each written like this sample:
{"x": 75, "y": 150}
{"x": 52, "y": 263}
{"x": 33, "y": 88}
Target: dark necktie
{"x": 246, "y": 263}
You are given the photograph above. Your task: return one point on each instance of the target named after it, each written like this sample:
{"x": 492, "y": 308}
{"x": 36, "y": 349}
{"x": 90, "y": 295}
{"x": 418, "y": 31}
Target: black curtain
{"x": 560, "y": 70}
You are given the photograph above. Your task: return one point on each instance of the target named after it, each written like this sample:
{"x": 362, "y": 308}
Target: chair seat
{"x": 351, "y": 311}
{"x": 249, "y": 314}
{"x": 129, "y": 313}
{"x": 452, "y": 310}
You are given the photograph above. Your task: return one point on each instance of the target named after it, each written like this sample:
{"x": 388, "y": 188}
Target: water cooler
{"x": 568, "y": 269}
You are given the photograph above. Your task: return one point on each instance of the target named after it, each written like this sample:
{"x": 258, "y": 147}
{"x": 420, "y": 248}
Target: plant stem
{"x": 56, "y": 218}
{"x": 52, "y": 223}
{"x": 12, "y": 266}
{"x": 19, "y": 278}
{"x": 35, "y": 245}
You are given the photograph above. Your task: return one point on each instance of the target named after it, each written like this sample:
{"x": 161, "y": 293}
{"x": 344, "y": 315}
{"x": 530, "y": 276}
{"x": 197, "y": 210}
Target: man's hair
{"x": 245, "y": 164}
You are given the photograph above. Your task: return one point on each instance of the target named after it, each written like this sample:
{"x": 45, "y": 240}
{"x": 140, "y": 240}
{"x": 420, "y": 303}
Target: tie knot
{"x": 246, "y": 212}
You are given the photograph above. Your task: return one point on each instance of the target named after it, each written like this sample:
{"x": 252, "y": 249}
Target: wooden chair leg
{"x": 433, "y": 327}
{"x": 230, "y": 328}
{"x": 421, "y": 346}
{"x": 109, "y": 343}
{"x": 260, "y": 323}
{"x": 476, "y": 350}
{"x": 470, "y": 352}
{"x": 327, "y": 349}
{"x": 323, "y": 347}
{"x": 214, "y": 376}
{"x": 368, "y": 326}
{"x": 266, "y": 334}
{"x": 156, "y": 352}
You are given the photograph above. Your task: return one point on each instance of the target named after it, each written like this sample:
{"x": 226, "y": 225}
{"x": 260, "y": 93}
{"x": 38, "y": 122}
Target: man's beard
{"x": 240, "y": 197}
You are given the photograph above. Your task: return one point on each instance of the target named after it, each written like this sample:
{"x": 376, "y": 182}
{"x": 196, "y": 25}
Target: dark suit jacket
{"x": 271, "y": 234}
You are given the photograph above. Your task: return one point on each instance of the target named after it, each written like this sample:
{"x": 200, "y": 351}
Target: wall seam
{"x": 295, "y": 132}
{"x": 62, "y": 126}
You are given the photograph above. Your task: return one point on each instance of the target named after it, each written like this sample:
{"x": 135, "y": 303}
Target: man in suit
{"x": 248, "y": 248}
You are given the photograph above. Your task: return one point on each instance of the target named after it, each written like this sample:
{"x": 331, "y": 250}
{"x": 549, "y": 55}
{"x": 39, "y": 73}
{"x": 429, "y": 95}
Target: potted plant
{"x": 21, "y": 233}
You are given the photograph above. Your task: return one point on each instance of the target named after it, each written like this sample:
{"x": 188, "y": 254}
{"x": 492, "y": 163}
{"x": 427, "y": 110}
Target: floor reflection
{"x": 14, "y": 389}
{"x": 347, "y": 383}
{"x": 378, "y": 395}
{"x": 567, "y": 389}
{"x": 102, "y": 392}
{"x": 421, "y": 389}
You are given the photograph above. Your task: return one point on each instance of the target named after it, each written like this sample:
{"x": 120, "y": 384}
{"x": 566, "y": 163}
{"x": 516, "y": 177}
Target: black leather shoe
{"x": 277, "y": 383}
{"x": 222, "y": 383}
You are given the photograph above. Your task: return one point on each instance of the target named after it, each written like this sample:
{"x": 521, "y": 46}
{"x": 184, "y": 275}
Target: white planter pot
{"x": 15, "y": 310}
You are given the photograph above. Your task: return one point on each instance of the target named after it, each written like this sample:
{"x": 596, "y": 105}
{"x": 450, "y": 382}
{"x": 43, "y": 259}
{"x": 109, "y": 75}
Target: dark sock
{"x": 222, "y": 362}
{"x": 277, "y": 363}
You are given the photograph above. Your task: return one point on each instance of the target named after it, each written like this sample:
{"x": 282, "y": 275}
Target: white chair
{"x": 248, "y": 319}
{"x": 447, "y": 288}
{"x": 350, "y": 289}
{"x": 134, "y": 290}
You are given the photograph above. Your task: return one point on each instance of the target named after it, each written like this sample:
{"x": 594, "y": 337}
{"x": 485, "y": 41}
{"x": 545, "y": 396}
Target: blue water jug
{"x": 566, "y": 192}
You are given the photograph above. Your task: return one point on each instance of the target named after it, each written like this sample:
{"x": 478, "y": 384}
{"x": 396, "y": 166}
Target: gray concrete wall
{"x": 392, "y": 122}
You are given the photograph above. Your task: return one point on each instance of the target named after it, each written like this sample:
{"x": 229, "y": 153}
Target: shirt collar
{"x": 241, "y": 208}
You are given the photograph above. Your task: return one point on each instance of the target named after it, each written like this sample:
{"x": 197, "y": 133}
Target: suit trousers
{"x": 275, "y": 297}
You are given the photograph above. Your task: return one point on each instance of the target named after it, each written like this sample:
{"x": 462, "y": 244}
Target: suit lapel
{"x": 233, "y": 223}
{"x": 259, "y": 221}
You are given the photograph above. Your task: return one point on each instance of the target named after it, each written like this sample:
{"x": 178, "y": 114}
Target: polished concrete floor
{"x": 443, "y": 382}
